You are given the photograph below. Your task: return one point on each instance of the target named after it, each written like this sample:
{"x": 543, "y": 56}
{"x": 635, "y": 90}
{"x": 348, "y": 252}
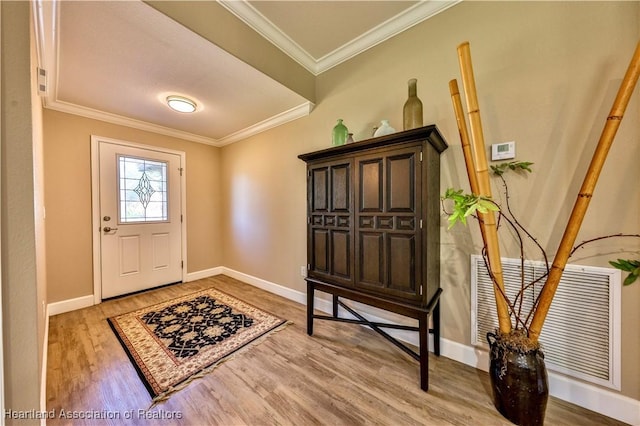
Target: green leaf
{"x": 465, "y": 205}
{"x": 499, "y": 169}
{"x": 628, "y": 265}
{"x": 631, "y": 278}
{"x": 624, "y": 265}
{"x": 487, "y": 205}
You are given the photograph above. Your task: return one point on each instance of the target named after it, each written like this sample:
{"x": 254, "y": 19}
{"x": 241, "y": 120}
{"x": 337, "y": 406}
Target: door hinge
{"x": 420, "y": 223}
{"x": 182, "y": 267}
{"x": 42, "y": 81}
{"x": 181, "y": 170}
{"x": 421, "y": 156}
{"x": 180, "y": 218}
{"x": 420, "y": 289}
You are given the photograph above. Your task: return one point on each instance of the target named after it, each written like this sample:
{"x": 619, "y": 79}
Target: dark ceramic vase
{"x": 519, "y": 382}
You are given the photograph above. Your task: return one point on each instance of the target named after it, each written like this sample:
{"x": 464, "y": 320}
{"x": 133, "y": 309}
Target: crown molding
{"x": 263, "y": 26}
{"x": 391, "y": 27}
{"x": 120, "y": 120}
{"x": 277, "y": 120}
{"x": 271, "y": 122}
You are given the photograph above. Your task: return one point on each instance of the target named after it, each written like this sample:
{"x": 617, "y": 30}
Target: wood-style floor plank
{"x": 342, "y": 375}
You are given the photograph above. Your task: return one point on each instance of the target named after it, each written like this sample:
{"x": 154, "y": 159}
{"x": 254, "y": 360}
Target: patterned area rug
{"x": 174, "y": 342}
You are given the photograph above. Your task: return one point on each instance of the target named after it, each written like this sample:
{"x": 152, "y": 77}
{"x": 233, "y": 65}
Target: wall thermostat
{"x": 503, "y": 151}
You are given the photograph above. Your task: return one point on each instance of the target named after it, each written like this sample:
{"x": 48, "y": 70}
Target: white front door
{"x": 140, "y": 218}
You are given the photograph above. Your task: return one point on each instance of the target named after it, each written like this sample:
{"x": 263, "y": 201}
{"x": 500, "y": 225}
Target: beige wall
{"x": 23, "y": 285}
{"x": 67, "y": 165}
{"x": 546, "y": 72}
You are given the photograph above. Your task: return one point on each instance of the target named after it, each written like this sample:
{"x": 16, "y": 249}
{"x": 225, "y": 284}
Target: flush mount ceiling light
{"x": 181, "y": 104}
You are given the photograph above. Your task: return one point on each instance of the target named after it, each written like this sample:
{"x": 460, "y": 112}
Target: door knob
{"x": 109, "y": 229}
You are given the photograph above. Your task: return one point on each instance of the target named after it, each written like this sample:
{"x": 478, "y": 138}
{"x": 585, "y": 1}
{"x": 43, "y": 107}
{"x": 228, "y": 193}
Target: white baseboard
{"x": 63, "y": 306}
{"x": 43, "y": 374}
{"x": 69, "y": 305}
{"x": 205, "y": 273}
{"x": 286, "y": 292}
{"x": 593, "y": 398}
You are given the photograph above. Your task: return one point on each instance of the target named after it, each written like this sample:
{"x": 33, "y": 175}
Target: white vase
{"x": 384, "y": 129}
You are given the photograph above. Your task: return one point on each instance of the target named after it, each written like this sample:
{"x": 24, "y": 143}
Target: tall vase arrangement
{"x": 412, "y": 111}
{"x": 517, "y": 371}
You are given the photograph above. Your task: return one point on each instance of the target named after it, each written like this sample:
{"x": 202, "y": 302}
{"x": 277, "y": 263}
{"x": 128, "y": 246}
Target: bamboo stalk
{"x": 464, "y": 137}
{"x": 488, "y": 220}
{"x": 584, "y": 196}
{"x": 466, "y": 147}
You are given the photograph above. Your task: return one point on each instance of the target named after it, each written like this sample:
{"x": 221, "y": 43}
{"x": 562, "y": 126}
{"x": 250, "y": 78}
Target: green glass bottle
{"x": 339, "y": 135}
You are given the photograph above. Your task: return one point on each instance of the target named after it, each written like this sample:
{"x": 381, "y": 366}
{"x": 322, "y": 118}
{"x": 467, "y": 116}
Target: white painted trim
{"x": 288, "y": 293}
{"x": 95, "y": 204}
{"x": 271, "y": 122}
{"x": 391, "y": 27}
{"x": 256, "y": 20}
{"x": 43, "y": 373}
{"x": 205, "y": 273}
{"x": 275, "y": 121}
{"x": 2, "y": 421}
{"x": 95, "y": 218}
{"x": 120, "y": 120}
{"x": 414, "y": 15}
{"x": 69, "y": 305}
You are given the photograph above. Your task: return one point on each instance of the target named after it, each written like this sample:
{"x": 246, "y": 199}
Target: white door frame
{"x": 2, "y": 421}
{"x": 95, "y": 206}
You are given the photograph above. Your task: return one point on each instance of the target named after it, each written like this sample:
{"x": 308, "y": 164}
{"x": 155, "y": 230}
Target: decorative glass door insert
{"x": 143, "y": 190}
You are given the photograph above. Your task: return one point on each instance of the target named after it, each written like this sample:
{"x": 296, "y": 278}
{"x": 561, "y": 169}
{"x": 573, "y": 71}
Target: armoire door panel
{"x": 344, "y": 221}
{"x": 401, "y": 191}
{"x": 320, "y": 189}
{"x": 371, "y": 185}
{"x": 341, "y": 253}
{"x": 401, "y": 249}
{"x": 406, "y": 223}
{"x": 371, "y": 258}
{"x": 340, "y": 191}
{"x": 320, "y": 250}
{"x": 384, "y": 222}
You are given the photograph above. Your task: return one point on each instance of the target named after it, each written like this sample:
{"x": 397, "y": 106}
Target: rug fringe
{"x": 164, "y": 396}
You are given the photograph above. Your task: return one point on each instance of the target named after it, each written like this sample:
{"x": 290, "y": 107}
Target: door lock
{"x": 109, "y": 229}
{"x": 106, "y": 218}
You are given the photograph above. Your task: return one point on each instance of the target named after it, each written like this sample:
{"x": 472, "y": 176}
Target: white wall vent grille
{"x": 581, "y": 334}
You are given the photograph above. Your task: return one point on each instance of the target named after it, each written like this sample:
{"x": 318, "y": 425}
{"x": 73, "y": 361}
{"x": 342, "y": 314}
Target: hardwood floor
{"x": 342, "y": 375}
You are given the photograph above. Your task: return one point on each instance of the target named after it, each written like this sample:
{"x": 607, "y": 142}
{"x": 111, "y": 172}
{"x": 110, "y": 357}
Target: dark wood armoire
{"x": 373, "y": 231}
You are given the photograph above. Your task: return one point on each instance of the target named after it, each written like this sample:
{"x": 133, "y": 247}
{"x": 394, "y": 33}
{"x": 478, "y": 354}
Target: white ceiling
{"x": 117, "y": 61}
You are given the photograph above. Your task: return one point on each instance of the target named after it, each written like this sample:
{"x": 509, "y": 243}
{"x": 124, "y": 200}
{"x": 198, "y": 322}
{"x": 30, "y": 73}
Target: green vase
{"x": 339, "y": 135}
{"x": 412, "y": 111}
